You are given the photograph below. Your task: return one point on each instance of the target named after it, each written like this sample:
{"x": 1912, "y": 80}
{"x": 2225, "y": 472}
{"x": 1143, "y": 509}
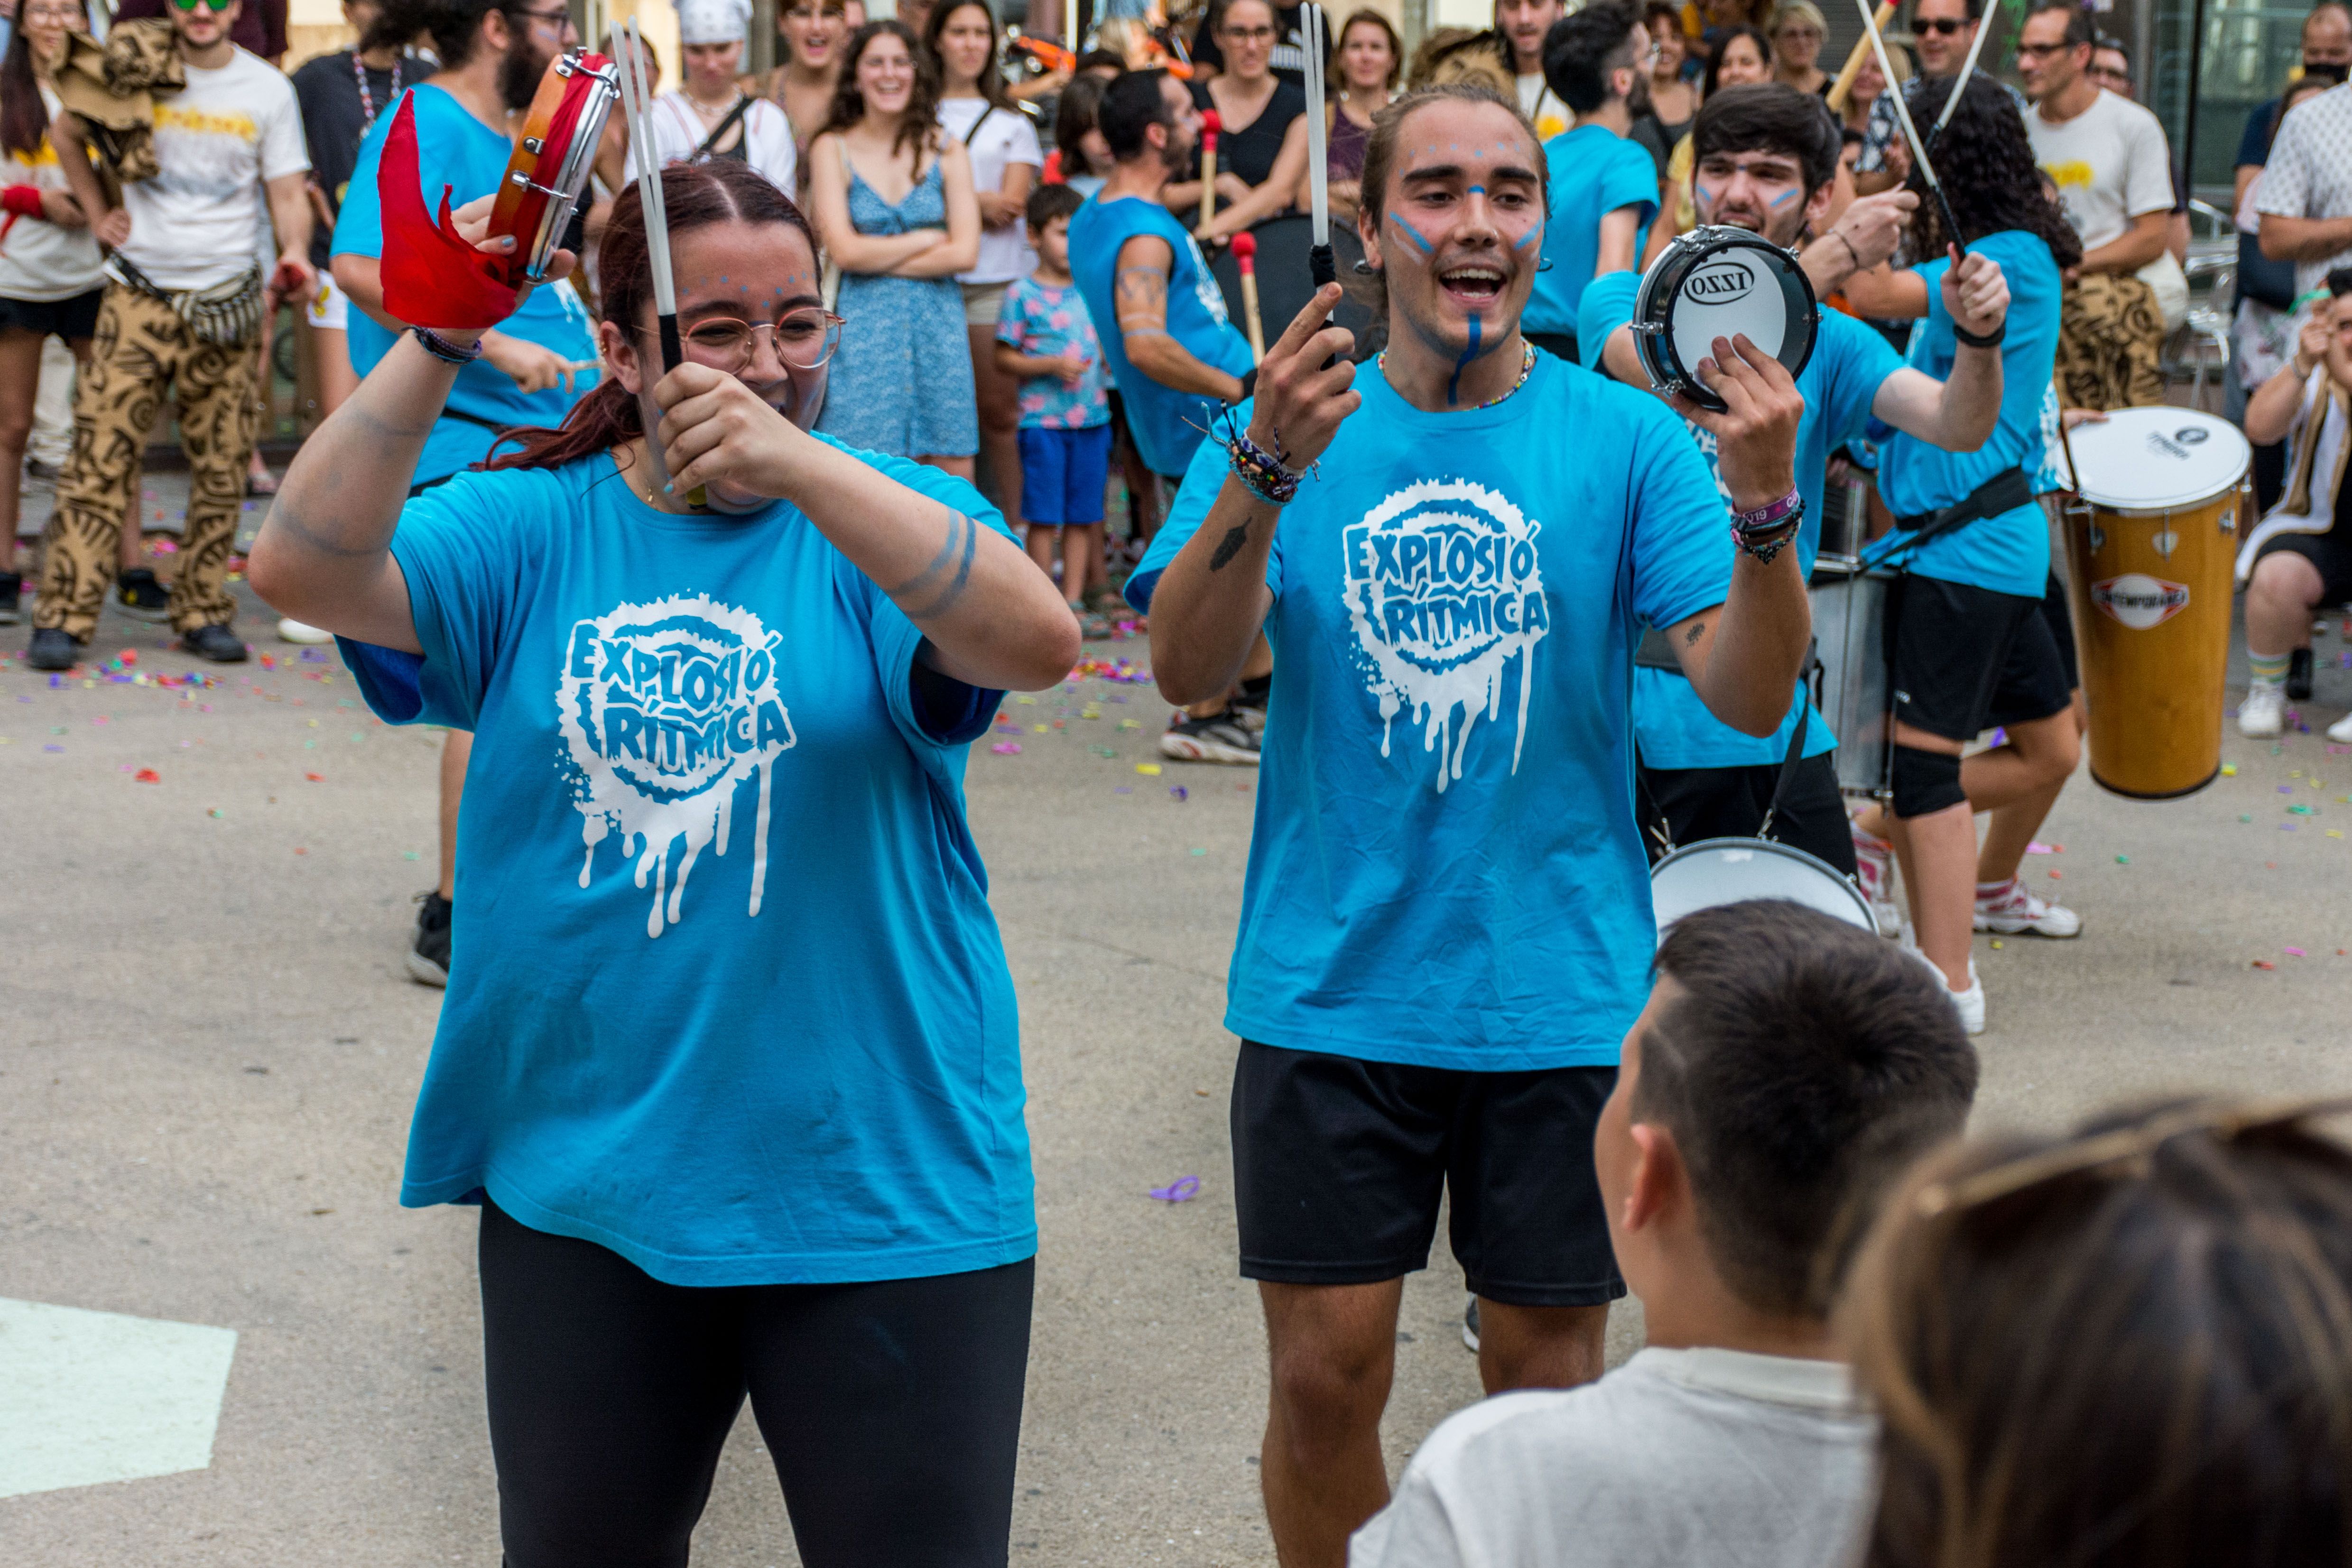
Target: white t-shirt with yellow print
{"x": 192, "y": 225}
{"x": 42, "y": 260}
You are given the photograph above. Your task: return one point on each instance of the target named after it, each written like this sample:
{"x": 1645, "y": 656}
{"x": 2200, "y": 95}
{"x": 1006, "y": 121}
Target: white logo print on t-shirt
{"x": 1443, "y": 589}
{"x": 665, "y": 710}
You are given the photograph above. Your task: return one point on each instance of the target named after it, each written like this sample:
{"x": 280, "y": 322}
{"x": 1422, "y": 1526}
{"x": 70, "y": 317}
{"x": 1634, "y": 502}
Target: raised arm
{"x": 1957, "y": 414}
{"x": 1212, "y": 598}
{"x": 1864, "y": 235}
{"x": 1139, "y": 295}
{"x": 989, "y": 618}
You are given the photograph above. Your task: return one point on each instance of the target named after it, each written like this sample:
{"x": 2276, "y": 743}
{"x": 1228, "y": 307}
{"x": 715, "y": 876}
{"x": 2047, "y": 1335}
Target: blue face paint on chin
{"x": 1469, "y": 353}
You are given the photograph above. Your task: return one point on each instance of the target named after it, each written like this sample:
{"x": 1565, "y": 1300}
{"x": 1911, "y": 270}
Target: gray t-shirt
{"x": 2310, "y": 174}
{"x": 1680, "y": 1458}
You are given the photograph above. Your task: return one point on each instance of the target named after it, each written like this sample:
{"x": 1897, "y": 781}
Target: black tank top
{"x": 1250, "y": 152}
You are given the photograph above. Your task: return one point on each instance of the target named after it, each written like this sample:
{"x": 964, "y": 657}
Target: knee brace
{"x": 1926, "y": 782}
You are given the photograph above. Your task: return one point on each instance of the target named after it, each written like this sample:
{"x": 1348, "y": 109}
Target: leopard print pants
{"x": 143, "y": 350}
{"x": 2110, "y": 344}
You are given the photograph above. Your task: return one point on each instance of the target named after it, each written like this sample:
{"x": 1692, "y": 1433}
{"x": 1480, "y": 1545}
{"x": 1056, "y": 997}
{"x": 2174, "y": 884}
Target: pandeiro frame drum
{"x": 551, "y": 162}
{"x": 1713, "y": 282}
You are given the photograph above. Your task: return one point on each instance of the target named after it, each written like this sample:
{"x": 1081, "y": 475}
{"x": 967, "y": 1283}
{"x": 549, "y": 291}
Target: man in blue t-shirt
{"x": 1604, "y": 188}
{"x": 1447, "y": 926}
{"x": 534, "y": 367}
{"x": 1764, "y": 159}
{"x": 1174, "y": 354}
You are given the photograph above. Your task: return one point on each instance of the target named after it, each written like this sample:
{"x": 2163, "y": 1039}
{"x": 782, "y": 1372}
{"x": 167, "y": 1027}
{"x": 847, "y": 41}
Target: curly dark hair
{"x": 919, "y": 124}
{"x": 1989, "y": 174}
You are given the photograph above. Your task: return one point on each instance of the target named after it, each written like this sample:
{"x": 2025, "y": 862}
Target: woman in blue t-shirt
{"x": 1974, "y": 646}
{"x": 742, "y": 1121}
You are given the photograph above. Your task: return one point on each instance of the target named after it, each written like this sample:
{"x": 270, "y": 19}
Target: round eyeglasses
{"x": 803, "y": 340}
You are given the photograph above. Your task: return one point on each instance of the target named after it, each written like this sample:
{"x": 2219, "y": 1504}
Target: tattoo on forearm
{"x": 1699, "y": 630}
{"x": 1230, "y": 546}
{"x": 935, "y": 589}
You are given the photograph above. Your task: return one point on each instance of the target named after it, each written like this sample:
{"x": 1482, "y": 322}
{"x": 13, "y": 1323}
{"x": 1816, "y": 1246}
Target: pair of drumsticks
{"x": 1876, "y": 43}
{"x": 1315, "y": 30}
{"x": 636, "y": 103}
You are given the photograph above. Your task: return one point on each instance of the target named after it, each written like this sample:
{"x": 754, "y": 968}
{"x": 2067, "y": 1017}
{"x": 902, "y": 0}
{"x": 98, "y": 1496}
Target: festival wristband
{"x": 1789, "y": 509}
{"x": 1262, "y": 473}
{"x": 442, "y": 349}
{"x": 22, "y": 201}
{"x": 1991, "y": 339}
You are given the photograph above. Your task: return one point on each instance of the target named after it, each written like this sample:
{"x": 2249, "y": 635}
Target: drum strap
{"x": 2005, "y": 491}
{"x": 1654, "y": 816}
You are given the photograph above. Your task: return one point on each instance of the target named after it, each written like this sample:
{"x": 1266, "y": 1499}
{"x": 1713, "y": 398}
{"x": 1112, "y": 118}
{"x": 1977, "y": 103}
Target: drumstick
{"x": 1320, "y": 265}
{"x": 1967, "y": 74}
{"x": 1246, "y": 258}
{"x": 637, "y": 94}
{"x": 1911, "y": 132}
{"x": 1210, "y": 125}
{"x": 1843, "y": 89}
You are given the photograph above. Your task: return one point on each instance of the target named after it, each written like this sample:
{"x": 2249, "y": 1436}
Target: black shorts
{"x": 2331, "y": 552}
{"x": 1967, "y": 658}
{"x": 1339, "y": 1166}
{"x": 1730, "y": 803}
{"x": 69, "y": 318}
{"x": 2055, "y": 611}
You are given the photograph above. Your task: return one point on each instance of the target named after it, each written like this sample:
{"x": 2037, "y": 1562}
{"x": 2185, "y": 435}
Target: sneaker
{"x": 1969, "y": 1003}
{"x": 215, "y": 642}
{"x": 1249, "y": 704}
{"x": 2013, "y": 911}
{"x": 2298, "y": 676}
{"x": 2341, "y": 730}
{"x": 52, "y": 648}
{"x": 428, "y": 955}
{"x": 1873, "y": 873}
{"x": 1220, "y": 738}
{"x": 12, "y": 588}
{"x": 140, "y": 596}
{"x": 1470, "y": 1325}
{"x": 2264, "y": 712}
{"x": 291, "y": 630}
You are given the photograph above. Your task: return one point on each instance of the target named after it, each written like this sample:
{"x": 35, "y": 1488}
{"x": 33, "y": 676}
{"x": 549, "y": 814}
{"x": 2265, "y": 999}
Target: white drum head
{"x": 1733, "y": 871}
{"x": 1734, "y": 291}
{"x": 2154, "y": 460}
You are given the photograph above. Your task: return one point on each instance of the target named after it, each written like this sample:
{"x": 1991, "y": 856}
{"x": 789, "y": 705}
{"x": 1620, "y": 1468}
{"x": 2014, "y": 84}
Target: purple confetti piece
{"x": 1179, "y": 792}
{"x": 1184, "y": 1189}
{"x": 53, "y": 748}
{"x": 1007, "y": 748}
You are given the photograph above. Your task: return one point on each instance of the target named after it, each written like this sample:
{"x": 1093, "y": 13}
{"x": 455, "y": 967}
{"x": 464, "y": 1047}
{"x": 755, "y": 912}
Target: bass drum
{"x": 1713, "y": 282}
{"x": 1732, "y": 871}
{"x": 2151, "y": 548}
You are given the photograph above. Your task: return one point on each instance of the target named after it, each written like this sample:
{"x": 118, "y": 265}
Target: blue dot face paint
{"x": 1478, "y": 190}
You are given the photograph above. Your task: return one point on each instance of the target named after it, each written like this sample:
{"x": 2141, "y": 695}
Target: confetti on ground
{"x": 2039, "y": 848}
{"x": 316, "y": 778}
{"x": 1179, "y": 792}
{"x": 1149, "y": 770}
{"x": 2264, "y": 963}
{"x": 147, "y": 776}
{"x": 1199, "y": 851}
{"x": 2057, "y": 876}
{"x": 1996, "y": 944}
{"x": 2295, "y": 953}
{"x": 2123, "y": 860}
{"x": 1184, "y": 1189}
{"x": 2245, "y": 816}
{"x": 1007, "y": 748}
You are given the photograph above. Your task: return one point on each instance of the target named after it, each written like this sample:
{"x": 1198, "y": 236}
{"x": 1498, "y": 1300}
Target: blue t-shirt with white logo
{"x": 1446, "y": 870}
{"x": 1166, "y": 423}
{"x": 728, "y": 997}
{"x": 1594, "y": 171}
{"x": 1849, "y": 364}
{"x": 2008, "y": 553}
{"x": 456, "y": 150}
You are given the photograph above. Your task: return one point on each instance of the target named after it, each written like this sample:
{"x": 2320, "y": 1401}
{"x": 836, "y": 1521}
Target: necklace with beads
{"x": 1527, "y": 369}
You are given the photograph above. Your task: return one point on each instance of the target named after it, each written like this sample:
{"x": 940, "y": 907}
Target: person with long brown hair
{"x": 894, "y": 200}
{"x": 51, "y": 277}
{"x": 747, "y": 1120}
{"x": 2122, "y": 1347}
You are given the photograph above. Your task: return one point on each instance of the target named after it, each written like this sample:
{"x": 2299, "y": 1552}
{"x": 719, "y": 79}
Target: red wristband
{"x": 25, "y": 201}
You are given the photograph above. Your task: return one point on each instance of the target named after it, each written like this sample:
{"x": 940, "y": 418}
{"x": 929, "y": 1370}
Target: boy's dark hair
{"x": 1047, "y": 202}
{"x": 1580, "y": 51}
{"x": 2078, "y": 20}
{"x": 1080, "y": 111}
{"x": 1093, "y": 58}
{"x": 1805, "y": 1062}
{"x": 1769, "y": 117}
{"x": 1132, "y": 105}
{"x": 1655, "y": 9}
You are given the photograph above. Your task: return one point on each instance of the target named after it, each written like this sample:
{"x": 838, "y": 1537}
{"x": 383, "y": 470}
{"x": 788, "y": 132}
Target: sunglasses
{"x": 1942, "y": 27}
{"x": 2125, "y": 1154}
{"x": 207, "y": 5}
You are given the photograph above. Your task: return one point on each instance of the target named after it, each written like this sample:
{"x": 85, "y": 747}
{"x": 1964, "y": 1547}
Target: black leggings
{"x": 893, "y": 1409}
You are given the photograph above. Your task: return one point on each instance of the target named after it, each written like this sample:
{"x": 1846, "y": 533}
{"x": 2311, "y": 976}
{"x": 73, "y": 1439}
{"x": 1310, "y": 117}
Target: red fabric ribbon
{"x": 21, "y": 201}
{"x": 431, "y": 275}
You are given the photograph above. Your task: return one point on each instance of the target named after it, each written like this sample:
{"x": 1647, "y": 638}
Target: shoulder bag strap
{"x": 719, "y": 132}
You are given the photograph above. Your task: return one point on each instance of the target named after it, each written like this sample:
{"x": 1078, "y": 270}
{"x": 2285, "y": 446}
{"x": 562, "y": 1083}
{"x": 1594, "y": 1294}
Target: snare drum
{"x": 2150, "y": 549}
{"x": 1732, "y": 871}
{"x": 551, "y": 162}
{"x": 1856, "y": 696}
{"x": 1713, "y": 282}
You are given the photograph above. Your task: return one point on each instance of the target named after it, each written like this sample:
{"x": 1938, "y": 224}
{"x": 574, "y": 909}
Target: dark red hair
{"x": 696, "y": 196}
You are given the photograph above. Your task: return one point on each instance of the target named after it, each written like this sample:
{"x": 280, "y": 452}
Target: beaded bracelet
{"x": 1763, "y": 549}
{"x": 442, "y": 349}
{"x": 1262, "y": 473}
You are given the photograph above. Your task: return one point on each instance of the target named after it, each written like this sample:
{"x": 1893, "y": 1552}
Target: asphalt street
{"x": 209, "y": 1048}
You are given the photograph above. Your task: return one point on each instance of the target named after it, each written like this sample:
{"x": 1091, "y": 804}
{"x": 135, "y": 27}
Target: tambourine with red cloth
{"x": 431, "y": 275}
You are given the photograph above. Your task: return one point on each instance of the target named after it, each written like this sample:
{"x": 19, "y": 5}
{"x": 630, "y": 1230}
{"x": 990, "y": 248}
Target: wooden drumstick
{"x": 1210, "y": 126}
{"x": 1246, "y": 258}
{"x": 1843, "y": 89}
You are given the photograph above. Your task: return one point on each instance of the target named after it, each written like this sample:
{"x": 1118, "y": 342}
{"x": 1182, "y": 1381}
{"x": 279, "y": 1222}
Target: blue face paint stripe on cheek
{"x": 1527, "y": 238}
{"x": 1410, "y": 233}
{"x": 1783, "y": 199}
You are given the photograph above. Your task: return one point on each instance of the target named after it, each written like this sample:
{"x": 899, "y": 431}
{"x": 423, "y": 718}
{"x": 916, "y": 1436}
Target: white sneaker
{"x": 1969, "y": 1003}
{"x": 1874, "y": 872}
{"x": 292, "y": 630}
{"x": 2013, "y": 911}
{"x": 2264, "y": 712}
{"x": 2341, "y": 730}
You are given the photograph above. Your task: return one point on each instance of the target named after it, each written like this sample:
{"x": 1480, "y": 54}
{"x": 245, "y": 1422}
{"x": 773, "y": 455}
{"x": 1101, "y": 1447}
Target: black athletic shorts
{"x": 2055, "y": 611}
{"x": 2331, "y": 552}
{"x": 70, "y": 318}
{"x": 1339, "y": 1166}
{"x": 1730, "y": 803}
{"x": 1968, "y": 657}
